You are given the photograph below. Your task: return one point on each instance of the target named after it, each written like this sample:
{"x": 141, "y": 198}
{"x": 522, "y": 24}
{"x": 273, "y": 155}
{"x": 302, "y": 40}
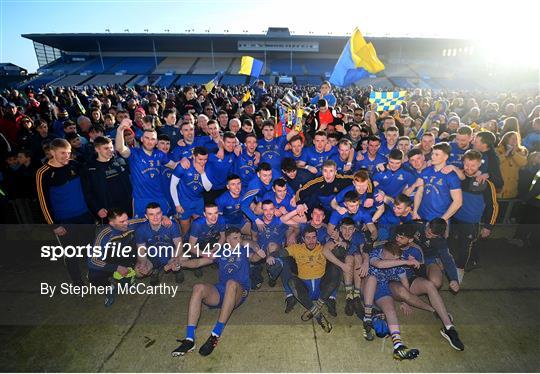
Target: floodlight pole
{"x": 291, "y": 60}
{"x": 100, "y": 56}
{"x": 212, "y": 52}
{"x": 264, "y": 69}
{"x": 154, "y": 48}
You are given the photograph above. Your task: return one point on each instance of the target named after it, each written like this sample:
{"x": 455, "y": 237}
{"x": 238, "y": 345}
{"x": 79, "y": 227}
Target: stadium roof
{"x": 168, "y": 42}
{"x": 140, "y": 42}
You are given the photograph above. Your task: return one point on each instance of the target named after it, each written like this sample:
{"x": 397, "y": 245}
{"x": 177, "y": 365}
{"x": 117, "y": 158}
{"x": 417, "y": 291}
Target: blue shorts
{"x": 192, "y": 207}
{"x": 139, "y": 206}
{"x": 383, "y": 289}
{"x": 221, "y": 290}
{"x": 172, "y": 211}
{"x": 314, "y": 288}
{"x": 431, "y": 261}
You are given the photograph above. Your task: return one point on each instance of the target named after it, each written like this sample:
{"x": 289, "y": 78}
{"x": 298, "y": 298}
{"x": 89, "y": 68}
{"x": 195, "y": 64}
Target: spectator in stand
{"x": 510, "y": 124}
{"x": 532, "y": 140}
{"x": 9, "y": 123}
{"x": 513, "y": 157}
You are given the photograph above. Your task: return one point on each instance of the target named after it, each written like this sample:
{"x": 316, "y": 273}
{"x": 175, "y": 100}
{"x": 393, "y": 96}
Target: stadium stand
{"x": 399, "y": 70}
{"x": 194, "y": 79}
{"x": 96, "y": 66}
{"x": 186, "y": 59}
{"x": 233, "y": 79}
{"x": 308, "y": 79}
{"x": 377, "y": 82}
{"x": 283, "y": 66}
{"x": 207, "y": 66}
{"x": 139, "y": 79}
{"x": 166, "y": 80}
{"x": 432, "y": 70}
{"x": 39, "y": 80}
{"x": 137, "y": 65}
{"x": 178, "y": 65}
{"x": 70, "y": 80}
{"x": 318, "y": 67}
{"x": 106, "y": 79}
{"x": 65, "y": 66}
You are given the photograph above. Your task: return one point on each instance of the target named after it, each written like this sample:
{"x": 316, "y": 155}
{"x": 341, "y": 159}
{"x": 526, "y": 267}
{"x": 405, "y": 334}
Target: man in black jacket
{"x": 106, "y": 180}
{"x": 323, "y": 189}
{"x": 491, "y": 165}
{"x": 476, "y": 216}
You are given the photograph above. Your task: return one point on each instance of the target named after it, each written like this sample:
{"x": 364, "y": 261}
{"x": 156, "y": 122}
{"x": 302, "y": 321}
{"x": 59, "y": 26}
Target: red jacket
{"x": 10, "y": 128}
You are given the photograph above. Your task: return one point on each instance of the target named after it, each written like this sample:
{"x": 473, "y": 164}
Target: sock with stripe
{"x": 356, "y": 293}
{"x": 396, "y": 339}
{"x": 368, "y": 312}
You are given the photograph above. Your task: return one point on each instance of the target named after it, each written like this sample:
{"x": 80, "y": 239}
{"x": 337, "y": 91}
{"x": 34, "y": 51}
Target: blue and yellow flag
{"x": 387, "y": 101}
{"x": 210, "y": 85}
{"x": 246, "y": 96}
{"x": 358, "y": 59}
{"x": 422, "y": 130}
{"x": 250, "y": 66}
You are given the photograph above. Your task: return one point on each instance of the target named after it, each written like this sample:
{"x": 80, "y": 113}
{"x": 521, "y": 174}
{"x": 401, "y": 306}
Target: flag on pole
{"x": 358, "y": 59}
{"x": 422, "y": 130}
{"x": 246, "y": 96}
{"x": 250, "y": 66}
{"x": 215, "y": 81}
{"x": 387, "y": 101}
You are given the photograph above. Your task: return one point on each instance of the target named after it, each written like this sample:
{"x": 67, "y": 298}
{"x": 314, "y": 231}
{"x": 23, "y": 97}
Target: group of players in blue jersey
{"x": 313, "y": 217}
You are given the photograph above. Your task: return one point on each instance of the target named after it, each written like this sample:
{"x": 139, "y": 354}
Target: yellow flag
{"x": 363, "y": 54}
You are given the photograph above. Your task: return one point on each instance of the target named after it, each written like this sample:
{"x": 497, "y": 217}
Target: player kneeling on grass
{"x": 346, "y": 252}
{"x": 228, "y": 294}
{"x": 385, "y": 266}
